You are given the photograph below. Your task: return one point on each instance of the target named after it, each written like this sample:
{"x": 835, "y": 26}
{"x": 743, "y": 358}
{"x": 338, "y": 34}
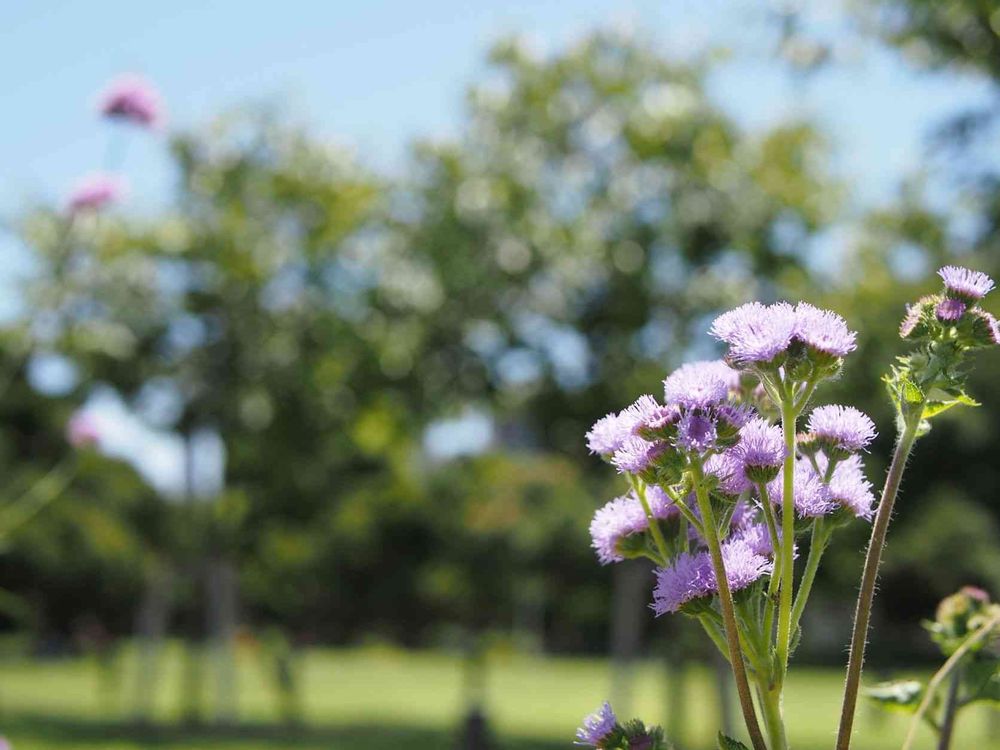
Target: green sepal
{"x": 728, "y": 743}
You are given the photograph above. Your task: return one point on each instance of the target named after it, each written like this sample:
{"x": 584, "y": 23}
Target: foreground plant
{"x": 963, "y": 628}
{"x": 722, "y": 482}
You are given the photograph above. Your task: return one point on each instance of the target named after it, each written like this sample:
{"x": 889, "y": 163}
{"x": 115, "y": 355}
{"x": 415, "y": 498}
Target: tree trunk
{"x": 222, "y": 621}
{"x": 151, "y": 627}
{"x": 631, "y": 584}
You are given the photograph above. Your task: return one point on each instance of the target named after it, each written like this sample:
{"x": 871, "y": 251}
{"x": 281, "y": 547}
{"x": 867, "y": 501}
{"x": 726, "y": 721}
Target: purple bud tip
{"x": 81, "y": 432}
{"x": 950, "y": 309}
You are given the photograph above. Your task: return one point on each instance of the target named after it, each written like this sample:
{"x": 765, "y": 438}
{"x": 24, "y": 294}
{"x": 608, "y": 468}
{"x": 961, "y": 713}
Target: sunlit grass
{"x": 380, "y": 698}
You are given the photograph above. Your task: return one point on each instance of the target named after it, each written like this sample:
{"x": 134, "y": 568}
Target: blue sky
{"x": 374, "y": 75}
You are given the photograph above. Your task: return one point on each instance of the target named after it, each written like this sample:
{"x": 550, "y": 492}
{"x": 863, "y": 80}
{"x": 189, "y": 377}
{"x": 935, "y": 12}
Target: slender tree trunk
{"x": 724, "y": 690}
{"x": 192, "y": 672}
{"x": 151, "y": 627}
{"x": 221, "y": 622}
{"x": 677, "y": 686}
{"x": 631, "y": 584}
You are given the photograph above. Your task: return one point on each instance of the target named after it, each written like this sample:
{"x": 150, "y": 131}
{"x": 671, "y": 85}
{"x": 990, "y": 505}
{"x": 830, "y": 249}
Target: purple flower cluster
{"x": 696, "y": 411}
{"x": 963, "y": 289}
{"x": 133, "y": 99}
{"x": 598, "y": 727}
{"x": 624, "y": 516}
{"x": 691, "y": 576}
{"x": 758, "y": 334}
{"x": 841, "y": 428}
{"x": 847, "y": 488}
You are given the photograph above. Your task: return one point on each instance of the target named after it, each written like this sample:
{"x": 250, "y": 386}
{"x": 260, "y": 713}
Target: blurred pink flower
{"x": 81, "y": 432}
{"x": 5, "y": 744}
{"x": 95, "y": 191}
{"x": 132, "y": 98}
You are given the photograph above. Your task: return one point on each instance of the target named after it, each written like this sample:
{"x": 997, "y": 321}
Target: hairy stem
{"x": 862, "y": 614}
{"x": 820, "y": 538}
{"x": 770, "y": 704}
{"x": 728, "y": 611}
{"x": 654, "y": 526}
{"x": 784, "y": 635}
{"x": 941, "y": 674}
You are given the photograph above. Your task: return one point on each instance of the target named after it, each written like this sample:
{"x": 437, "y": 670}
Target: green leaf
{"x": 728, "y": 743}
{"x": 982, "y": 680}
{"x": 899, "y": 695}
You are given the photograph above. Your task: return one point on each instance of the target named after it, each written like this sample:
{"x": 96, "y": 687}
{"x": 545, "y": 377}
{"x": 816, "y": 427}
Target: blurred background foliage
{"x": 399, "y": 371}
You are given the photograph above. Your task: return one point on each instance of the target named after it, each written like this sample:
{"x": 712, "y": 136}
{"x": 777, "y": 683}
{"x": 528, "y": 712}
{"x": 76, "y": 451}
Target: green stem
{"x": 950, "y": 710}
{"x": 728, "y": 611}
{"x": 784, "y": 634}
{"x": 654, "y": 525}
{"x": 941, "y": 674}
{"x": 820, "y": 538}
{"x": 869, "y": 577}
{"x": 770, "y": 705}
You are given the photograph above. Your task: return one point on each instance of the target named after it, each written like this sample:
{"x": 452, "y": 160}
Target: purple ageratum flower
{"x": 743, "y": 565}
{"x": 608, "y": 433}
{"x": 597, "y": 727}
{"x": 811, "y": 497}
{"x": 699, "y": 385}
{"x": 133, "y": 99}
{"x": 623, "y": 517}
{"x": 760, "y": 451}
{"x": 756, "y": 333}
{"x": 965, "y": 284}
{"x": 689, "y": 577}
{"x": 647, "y": 415}
{"x": 849, "y": 488}
{"x": 950, "y": 309}
{"x": 989, "y": 323}
{"x": 96, "y": 191}
{"x": 843, "y": 427}
{"x": 696, "y": 433}
{"x": 728, "y": 470}
{"x": 823, "y": 330}
{"x": 758, "y": 538}
{"x": 635, "y": 454}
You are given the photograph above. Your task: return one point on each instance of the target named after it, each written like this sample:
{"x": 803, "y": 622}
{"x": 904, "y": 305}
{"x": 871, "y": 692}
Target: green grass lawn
{"x": 377, "y": 698}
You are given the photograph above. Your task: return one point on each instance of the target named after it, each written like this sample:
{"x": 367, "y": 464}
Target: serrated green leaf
{"x": 899, "y": 695}
{"x": 728, "y": 743}
{"x": 910, "y": 391}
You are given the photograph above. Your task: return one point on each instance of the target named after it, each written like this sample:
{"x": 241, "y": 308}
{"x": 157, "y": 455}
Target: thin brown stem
{"x": 869, "y": 577}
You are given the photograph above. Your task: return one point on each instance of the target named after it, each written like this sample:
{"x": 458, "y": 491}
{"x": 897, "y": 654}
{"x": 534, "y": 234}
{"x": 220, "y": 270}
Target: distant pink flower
{"x": 81, "y": 432}
{"x": 5, "y": 744}
{"x": 95, "y": 191}
{"x": 132, "y": 98}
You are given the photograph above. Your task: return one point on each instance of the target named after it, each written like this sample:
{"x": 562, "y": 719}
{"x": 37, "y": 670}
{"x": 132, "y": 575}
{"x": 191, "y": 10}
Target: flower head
{"x": 698, "y": 385}
{"x": 760, "y": 451}
{"x": 842, "y": 428}
{"x": 950, "y": 309}
{"x": 986, "y": 326}
{"x": 689, "y": 577}
{"x": 823, "y": 330}
{"x": 649, "y": 418}
{"x": 758, "y": 538}
{"x": 965, "y": 284}
{"x": 849, "y": 488}
{"x": 811, "y": 497}
{"x": 597, "y": 727}
{"x": 696, "y": 433}
{"x": 624, "y": 516}
{"x": 608, "y": 433}
{"x": 95, "y": 191}
{"x": 756, "y": 333}
{"x": 727, "y": 468}
{"x": 635, "y": 454}
{"x": 132, "y": 98}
